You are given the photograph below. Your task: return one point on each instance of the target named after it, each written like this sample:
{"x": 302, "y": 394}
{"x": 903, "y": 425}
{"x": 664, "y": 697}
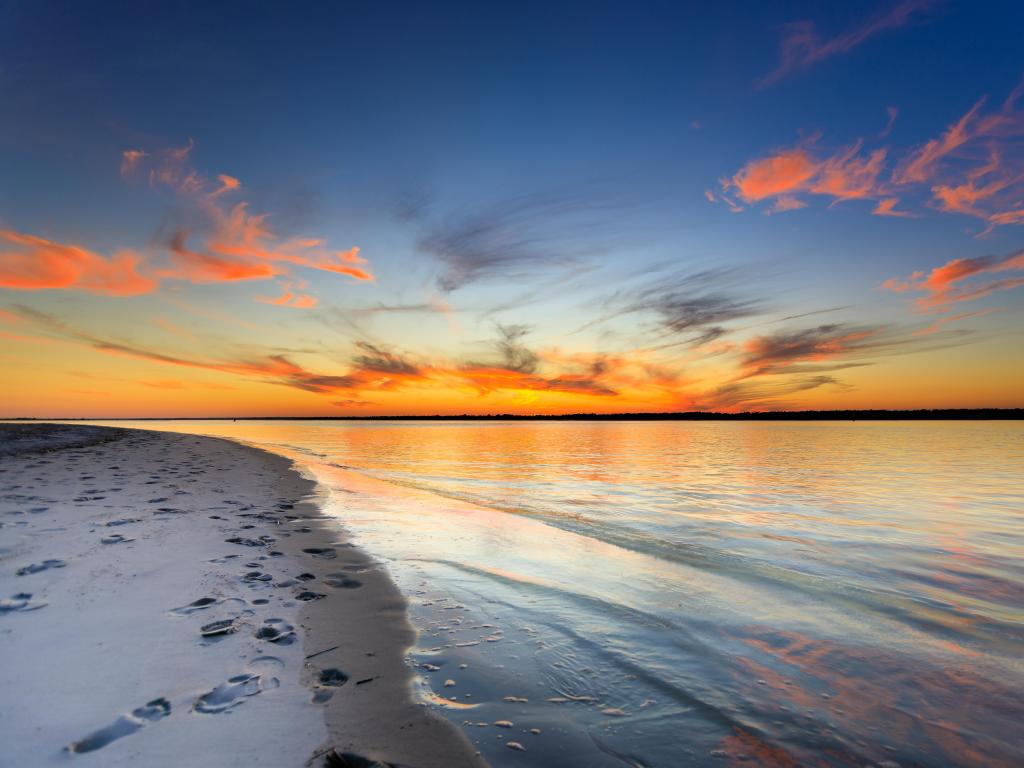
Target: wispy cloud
{"x": 975, "y": 168}
{"x": 236, "y": 244}
{"x": 952, "y": 283}
{"x": 233, "y": 244}
{"x": 33, "y": 263}
{"x": 801, "y": 46}
{"x": 517, "y": 239}
{"x": 774, "y": 352}
{"x": 695, "y": 305}
{"x": 766, "y": 394}
{"x": 849, "y": 174}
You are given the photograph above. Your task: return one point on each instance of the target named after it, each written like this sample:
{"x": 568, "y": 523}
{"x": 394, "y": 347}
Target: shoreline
{"x": 96, "y": 611}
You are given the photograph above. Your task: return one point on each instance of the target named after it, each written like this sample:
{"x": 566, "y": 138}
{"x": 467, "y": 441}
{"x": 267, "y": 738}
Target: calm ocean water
{"x": 673, "y": 593}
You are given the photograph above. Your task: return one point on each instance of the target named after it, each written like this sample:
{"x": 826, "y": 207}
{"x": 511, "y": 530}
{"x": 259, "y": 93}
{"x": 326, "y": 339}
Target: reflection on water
{"x": 683, "y": 593}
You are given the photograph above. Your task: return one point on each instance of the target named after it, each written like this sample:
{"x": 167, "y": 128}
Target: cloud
{"x": 515, "y": 355}
{"x": 697, "y": 304}
{"x": 887, "y": 207}
{"x": 199, "y": 267}
{"x": 774, "y": 352}
{"x": 513, "y": 240}
{"x": 801, "y": 47}
{"x": 946, "y": 284}
{"x": 247, "y": 238}
{"x": 975, "y": 168}
{"x": 33, "y": 263}
{"x": 784, "y": 172}
{"x": 380, "y": 360}
{"x": 290, "y": 299}
{"x": 847, "y": 174}
{"x": 764, "y": 394}
{"x": 232, "y": 243}
{"x": 227, "y": 244}
{"x": 920, "y": 165}
{"x": 942, "y": 322}
{"x": 375, "y": 369}
{"x": 130, "y": 160}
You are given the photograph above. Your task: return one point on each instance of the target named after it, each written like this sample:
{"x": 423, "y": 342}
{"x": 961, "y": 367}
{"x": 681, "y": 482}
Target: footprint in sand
{"x": 240, "y": 687}
{"x": 341, "y": 581}
{"x": 218, "y": 628}
{"x": 335, "y": 759}
{"x": 22, "y": 601}
{"x": 324, "y": 553}
{"x": 327, "y": 680}
{"x": 228, "y": 694}
{"x": 125, "y": 521}
{"x": 115, "y": 538}
{"x": 125, "y": 725}
{"x": 276, "y": 631}
{"x": 306, "y": 596}
{"x": 196, "y": 605}
{"x": 39, "y": 567}
{"x": 262, "y": 541}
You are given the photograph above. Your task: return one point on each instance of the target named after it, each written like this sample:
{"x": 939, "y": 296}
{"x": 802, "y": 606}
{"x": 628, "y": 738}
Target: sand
{"x": 169, "y": 599}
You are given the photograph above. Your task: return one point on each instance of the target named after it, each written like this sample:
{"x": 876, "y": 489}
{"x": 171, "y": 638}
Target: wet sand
{"x": 169, "y": 599}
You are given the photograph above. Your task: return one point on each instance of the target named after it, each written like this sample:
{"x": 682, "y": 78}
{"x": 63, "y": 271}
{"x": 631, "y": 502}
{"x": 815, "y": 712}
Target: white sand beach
{"x": 169, "y": 599}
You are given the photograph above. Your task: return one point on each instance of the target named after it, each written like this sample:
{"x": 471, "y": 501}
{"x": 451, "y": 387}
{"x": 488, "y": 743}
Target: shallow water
{"x": 675, "y": 593}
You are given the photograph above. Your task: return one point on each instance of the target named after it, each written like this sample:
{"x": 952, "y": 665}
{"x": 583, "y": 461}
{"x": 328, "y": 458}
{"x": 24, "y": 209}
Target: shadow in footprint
{"x": 232, "y": 693}
{"x": 335, "y": 759}
{"x": 125, "y": 725}
{"x": 218, "y": 628}
{"x": 39, "y": 567}
{"x": 115, "y": 538}
{"x": 341, "y": 581}
{"x": 276, "y": 631}
{"x": 196, "y": 605}
{"x": 324, "y": 553}
{"x": 327, "y": 681}
{"x": 22, "y": 601}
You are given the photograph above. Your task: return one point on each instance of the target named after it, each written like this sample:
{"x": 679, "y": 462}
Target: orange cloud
{"x": 33, "y": 263}
{"x": 246, "y": 237}
{"x": 947, "y": 167}
{"x": 846, "y": 175}
{"x": 786, "y": 171}
{"x": 198, "y": 267}
{"x": 887, "y": 207}
{"x": 942, "y": 286}
{"x": 237, "y": 245}
{"x": 942, "y": 322}
{"x": 290, "y": 299}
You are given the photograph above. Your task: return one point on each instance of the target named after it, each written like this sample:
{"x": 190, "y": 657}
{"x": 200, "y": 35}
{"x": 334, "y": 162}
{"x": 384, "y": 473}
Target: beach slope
{"x": 169, "y": 599}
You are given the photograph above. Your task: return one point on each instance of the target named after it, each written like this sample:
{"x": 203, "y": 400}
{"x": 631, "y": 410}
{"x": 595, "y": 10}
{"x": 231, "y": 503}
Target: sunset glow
{"x": 810, "y": 211}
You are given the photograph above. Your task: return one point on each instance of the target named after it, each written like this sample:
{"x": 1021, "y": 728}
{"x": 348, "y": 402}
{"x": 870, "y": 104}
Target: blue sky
{"x": 530, "y": 164}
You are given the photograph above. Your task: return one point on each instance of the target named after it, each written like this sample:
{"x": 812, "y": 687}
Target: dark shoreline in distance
{"x": 937, "y": 414}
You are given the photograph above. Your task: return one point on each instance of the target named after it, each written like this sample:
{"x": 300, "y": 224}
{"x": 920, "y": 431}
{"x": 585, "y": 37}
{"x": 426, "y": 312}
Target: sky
{"x": 354, "y": 208}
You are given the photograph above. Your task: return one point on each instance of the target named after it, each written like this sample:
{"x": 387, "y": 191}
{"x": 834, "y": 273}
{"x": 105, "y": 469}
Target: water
{"x": 674, "y": 593}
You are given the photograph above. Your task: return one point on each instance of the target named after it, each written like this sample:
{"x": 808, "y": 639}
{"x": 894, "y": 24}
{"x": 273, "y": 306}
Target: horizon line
{"x": 867, "y": 414}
